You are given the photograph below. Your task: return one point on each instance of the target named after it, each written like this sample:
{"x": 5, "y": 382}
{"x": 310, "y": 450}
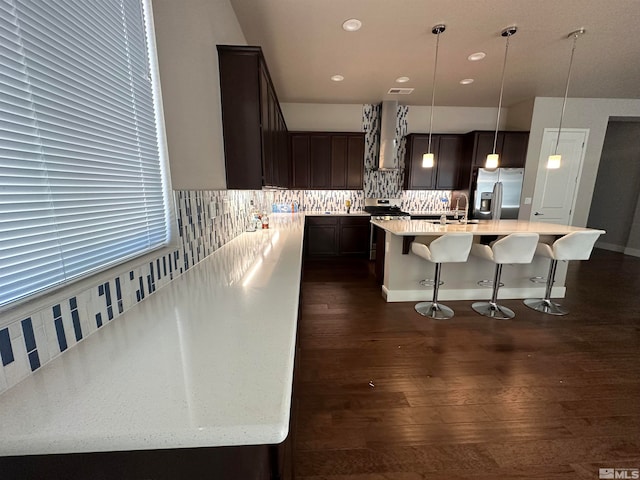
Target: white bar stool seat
{"x": 573, "y": 246}
{"x": 514, "y": 248}
{"x": 448, "y": 248}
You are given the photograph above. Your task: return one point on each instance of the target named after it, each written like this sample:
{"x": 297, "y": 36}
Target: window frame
{"x": 43, "y": 298}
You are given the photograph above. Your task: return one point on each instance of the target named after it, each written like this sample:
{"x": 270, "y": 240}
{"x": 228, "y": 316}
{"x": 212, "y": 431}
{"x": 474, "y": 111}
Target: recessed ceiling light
{"x": 352, "y": 25}
{"x": 466, "y": 81}
{"x": 402, "y": 79}
{"x": 337, "y": 78}
{"x": 474, "y": 57}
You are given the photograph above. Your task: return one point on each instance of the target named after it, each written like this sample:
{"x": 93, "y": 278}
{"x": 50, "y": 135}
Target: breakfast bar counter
{"x": 403, "y": 271}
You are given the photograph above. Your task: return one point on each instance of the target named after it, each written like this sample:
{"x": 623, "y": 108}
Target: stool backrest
{"x": 515, "y": 248}
{"x": 451, "y": 247}
{"x": 575, "y": 245}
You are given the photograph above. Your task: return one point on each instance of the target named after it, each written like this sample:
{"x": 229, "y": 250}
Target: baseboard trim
{"x": 632, "y": 251}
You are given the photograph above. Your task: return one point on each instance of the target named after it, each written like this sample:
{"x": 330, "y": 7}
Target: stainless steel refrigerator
{"x": 482, "y": 192}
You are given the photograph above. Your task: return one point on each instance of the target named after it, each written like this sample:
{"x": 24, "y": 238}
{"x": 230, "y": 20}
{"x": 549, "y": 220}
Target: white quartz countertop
{"x": 484, "y": 227}
{"x": 205, "y": 361}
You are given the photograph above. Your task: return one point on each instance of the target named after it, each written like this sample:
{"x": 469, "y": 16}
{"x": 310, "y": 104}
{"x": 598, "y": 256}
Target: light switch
{"x": 527, "y": 200}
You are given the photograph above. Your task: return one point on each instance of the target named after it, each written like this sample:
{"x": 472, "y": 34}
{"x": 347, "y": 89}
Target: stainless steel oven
{"x": 382, "y": 209}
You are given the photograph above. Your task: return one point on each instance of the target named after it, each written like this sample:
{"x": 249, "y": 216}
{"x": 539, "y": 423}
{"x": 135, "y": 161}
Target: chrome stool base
{"x": 545, "y": 306}
{"x": 434, "y": 310}
{"x": 493, "y": 310}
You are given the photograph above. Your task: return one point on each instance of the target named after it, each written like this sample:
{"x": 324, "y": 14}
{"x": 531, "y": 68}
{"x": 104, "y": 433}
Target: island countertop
{"x": 205, "y": 361}
{"x": 484, "y": 227}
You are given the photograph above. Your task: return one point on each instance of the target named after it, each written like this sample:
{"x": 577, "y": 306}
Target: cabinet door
{"x": 354, "y": 236}
{"x": 449, "y": 161}
{"x": 355, "y": 162}
{"x": 320, "y": 161}
{"x": 300, "y": 160}
{"x": 514, "y": 149}
{"x": 417, "y": 177}
{"x": 321, "y": 236}
{"x": 483, "y": 146}
{"x": 338, "y": 161}
{"x": 283, "y": 152}
{"x": 242, "y": 116}
{"x": 266, "y": 112}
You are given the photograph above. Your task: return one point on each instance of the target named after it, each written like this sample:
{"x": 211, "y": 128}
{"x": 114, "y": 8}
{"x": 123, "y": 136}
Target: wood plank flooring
{"x": 383, "y": 393}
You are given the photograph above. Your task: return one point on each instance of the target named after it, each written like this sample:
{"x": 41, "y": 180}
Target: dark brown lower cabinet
{"x": 256, "y": 462}
{"x": 337, "y": 235}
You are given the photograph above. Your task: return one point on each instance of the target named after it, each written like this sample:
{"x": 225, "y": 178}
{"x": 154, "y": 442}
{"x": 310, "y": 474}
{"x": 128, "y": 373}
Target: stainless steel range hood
{"x": 388, "y": 160}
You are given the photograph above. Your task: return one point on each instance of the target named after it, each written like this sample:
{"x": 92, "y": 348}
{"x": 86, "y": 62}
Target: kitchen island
{"x": 403, "y": 271}
{"x": 206, "y": 361}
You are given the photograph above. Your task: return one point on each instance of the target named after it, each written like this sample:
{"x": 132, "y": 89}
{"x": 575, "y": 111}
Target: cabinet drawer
{"x": 325, "y": 220}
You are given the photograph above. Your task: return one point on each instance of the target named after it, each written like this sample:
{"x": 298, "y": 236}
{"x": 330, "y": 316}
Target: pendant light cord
{"x": 440, "y": 29}
{"x": 566, "y": 90}
{"x": 504, "y": 68}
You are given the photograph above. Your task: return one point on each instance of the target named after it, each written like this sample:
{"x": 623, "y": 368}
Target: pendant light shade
{"x": 492, "y": 161}
{"x": 428, "y": 160}
{"x": 555, "y": 160}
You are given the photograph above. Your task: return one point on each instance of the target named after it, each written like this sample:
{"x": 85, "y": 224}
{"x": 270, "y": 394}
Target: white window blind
{"x": 82, "y": 184}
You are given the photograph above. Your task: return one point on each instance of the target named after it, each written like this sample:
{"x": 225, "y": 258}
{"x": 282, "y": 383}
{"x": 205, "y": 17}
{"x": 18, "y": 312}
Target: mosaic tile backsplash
{"x": 383, "y": 184}
{"x": 206, "y": 220}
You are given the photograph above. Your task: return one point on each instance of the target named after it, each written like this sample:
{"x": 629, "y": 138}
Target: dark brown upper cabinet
{"x": 511, "y": 146}
{"x": 450, "y": 162}
{"x": 327, "y": 160}
{"x": 255, "y": 133}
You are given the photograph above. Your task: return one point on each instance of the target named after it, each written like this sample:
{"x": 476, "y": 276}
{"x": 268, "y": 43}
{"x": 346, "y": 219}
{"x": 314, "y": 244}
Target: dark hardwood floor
{"x": 383, "y": 393}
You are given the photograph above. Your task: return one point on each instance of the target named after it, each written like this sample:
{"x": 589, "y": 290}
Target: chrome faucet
{"x": 463, "y": 218}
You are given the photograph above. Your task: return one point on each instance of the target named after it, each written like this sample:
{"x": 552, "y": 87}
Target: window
{"x": 83, "y": 185}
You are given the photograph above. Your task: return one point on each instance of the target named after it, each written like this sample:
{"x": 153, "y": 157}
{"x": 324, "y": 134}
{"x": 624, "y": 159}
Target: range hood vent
{"x": 388, "y": 147}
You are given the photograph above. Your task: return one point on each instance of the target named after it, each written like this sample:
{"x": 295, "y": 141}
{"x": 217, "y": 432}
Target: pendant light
{"x": 555, "y": 159}
{"x": 492, "y": 158}
{"x": 427, "y": 159}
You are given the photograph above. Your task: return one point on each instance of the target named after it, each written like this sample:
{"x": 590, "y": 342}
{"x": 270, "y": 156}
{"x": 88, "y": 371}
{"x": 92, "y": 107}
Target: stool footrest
{"x": 488, "y": 283}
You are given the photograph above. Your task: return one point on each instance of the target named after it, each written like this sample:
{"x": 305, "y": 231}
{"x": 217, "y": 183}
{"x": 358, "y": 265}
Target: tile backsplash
{"x": 206, "y": 221}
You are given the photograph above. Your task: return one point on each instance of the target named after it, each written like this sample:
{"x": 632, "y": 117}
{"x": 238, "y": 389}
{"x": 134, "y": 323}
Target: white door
{"x": 555, "y": 191}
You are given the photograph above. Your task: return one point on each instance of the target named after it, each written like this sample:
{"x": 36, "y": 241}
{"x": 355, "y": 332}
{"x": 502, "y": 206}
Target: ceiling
{"x": 304, "y": 45}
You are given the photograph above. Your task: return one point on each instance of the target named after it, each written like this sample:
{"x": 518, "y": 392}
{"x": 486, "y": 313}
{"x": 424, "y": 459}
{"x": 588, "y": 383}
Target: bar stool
{"x": 573, "y": 246}
{"x": 514, "y": 248}
{"x": 448, "y": 248}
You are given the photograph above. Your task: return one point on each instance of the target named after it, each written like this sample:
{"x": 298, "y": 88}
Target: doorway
{"x": 615, "y": 205}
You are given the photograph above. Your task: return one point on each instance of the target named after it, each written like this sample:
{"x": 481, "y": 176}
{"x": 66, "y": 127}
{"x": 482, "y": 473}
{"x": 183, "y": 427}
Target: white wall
{"x": 454, "y": 119}
{"x": 591, "y": 113}
{"x": 187, "y": 32}
{"x": 348, "y": 118}
{"x": 320, "y": 117}
{"x": 519, "y": 115}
